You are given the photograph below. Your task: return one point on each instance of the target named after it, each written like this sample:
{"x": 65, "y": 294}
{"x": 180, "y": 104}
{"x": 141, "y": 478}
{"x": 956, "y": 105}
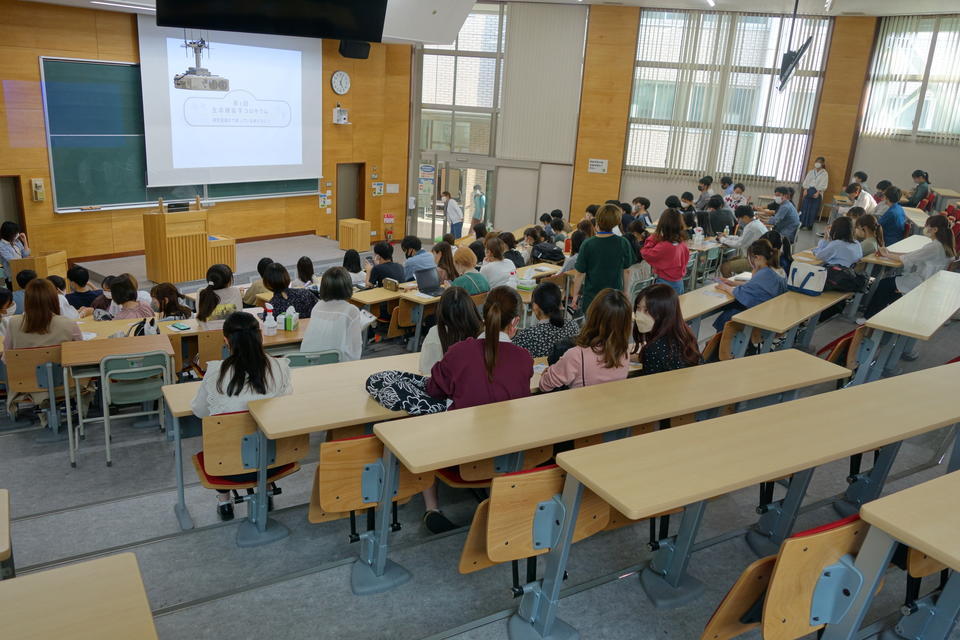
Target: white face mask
{"x": 445, "y": 198}
{"x": 817, "y": 165}
{"x": 930, "y": 232}
{"x": 108, "y": 295}
{"x": 778, "y": 199}
{"x": 644, "y": 321}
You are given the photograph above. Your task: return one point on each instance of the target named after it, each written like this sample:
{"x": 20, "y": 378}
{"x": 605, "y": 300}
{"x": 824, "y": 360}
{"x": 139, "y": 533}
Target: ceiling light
{"x": 711, "y": 3}
{"x": 142, "y": 7}
{"x": 827, "y": 5}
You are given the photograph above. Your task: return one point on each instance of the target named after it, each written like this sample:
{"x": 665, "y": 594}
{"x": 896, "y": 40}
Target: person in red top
{"x": 666, "y": 250}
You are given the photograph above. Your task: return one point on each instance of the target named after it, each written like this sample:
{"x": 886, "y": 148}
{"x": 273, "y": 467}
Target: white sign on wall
{"x": 596, "y": 165}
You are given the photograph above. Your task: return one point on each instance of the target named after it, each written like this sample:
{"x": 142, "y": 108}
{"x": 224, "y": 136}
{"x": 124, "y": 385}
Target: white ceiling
{"x": 840, "y": 7}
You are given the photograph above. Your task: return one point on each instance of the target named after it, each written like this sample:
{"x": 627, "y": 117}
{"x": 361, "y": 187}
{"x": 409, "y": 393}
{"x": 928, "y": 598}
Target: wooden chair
{"x": 37, "y": 374}
{"x": 209, "y": 347}
{"x": 338, "y": 486}
{"x": 7, "y": 569}
{"x": 479, "y": 474}
{"x": 222, "y": 453}
{"x": 503, "y": 526}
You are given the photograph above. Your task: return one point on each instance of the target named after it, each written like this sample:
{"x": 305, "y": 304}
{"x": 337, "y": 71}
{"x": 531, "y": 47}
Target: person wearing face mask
{"x": 453, "y": 213}
{"x": 479, "y": 206}
{"x": 894, "y": 218}
{"x": 918, "y": 265}
{"x": 764, "y": 283}
{"x": 786, "y": 221}
{"x": 705, "y": 192}
{"x": 416, "y": 258}
{"x": 662, "y": 340}
{"x": 814, "y": 184}
{"x": 165, "y": 300}
{"x": 6, "y": 310}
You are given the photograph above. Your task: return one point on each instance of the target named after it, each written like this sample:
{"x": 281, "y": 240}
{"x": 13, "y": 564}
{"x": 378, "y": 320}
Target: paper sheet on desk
{"x": 716, "y": 294}
{"x": 425, "y": 296}
{"x": 89, "y": 335}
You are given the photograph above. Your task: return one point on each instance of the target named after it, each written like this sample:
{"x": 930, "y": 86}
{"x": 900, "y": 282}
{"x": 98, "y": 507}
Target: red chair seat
{"x": 451, "y": 475}
{"x": 208, "y": 479}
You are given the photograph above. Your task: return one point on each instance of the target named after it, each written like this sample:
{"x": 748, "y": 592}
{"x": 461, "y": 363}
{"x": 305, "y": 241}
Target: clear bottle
{"x": 726, "y": 230}
{"x": 269, "y": 321}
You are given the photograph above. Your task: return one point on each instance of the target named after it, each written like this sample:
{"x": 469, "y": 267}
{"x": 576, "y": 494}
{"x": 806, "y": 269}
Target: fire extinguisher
{"x": 388, "y": 233}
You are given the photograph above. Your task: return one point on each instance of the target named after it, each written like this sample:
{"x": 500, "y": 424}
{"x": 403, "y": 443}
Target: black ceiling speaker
{"x": 355, "y": 49}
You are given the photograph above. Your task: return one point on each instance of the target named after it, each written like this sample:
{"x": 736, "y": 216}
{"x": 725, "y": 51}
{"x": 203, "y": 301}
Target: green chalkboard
{"x": 95, "y": 118}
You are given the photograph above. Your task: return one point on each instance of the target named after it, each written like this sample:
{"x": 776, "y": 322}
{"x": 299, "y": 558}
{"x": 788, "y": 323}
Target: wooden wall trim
{"x": 610, "y": 57}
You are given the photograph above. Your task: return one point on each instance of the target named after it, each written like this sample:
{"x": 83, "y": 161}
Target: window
{"x": 705, "y": 96}
{"x": 461, "y": 85}
{"x": 914, "y": 86}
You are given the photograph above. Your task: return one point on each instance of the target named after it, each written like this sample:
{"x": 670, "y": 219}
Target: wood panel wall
{"x": 379, "y": 104}
{"x": 844, "y": 85}
{"x": 604, "y": 104}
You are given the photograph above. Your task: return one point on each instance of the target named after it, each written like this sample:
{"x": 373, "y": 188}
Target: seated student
{"x": 166, "y": 301}
{"x": 13, "y": 246}
{"x": 247, "y": 374}
{"x": 457, "y": 319}
{"x": 859, "y": 177}
{"x": 786, "y": 220}
{"x": 23, "y": 278}
{"x": 704, "y": 187}
{"x": 640, "y": 270}
{"x": 416, "y": 258}
{"x": 82, "y": 293}
{"x": 477, "y": 246}
{"x": 601, "y": 351}
{"x": 277, "y": 280}
{"x": 479, "y": 231}
{"x": 547, "y": 251}
{"x": 6, "y": 310}
{"x": 881, "y": 187}
{"x": 557, "y": 214}
{"x": 626, "y": 218}
{"x": 545, "y": 222}
{"x": 101, "y": 302}
{"x": 511, "y": 253}
{"x": 41, "y": 324}
{"x": 576, "y": 240}
{"x": 783, "y": 247}
{"x": 305, "y": 269}
{"x": 868, "y": 232}
{"x": 764, "y": 284}
{"x": 469, "y": 279}
{"x": 726, "y": 186}
{"x": 591, "y": 211}
{"x": 256, "y": 287}
{"x": 449, "y": 239}
{"x": 531, "y": 238}
{"x": 335, "y": 324}
{"x": 553, "y": 324}
{"x": 352, "y": 263}
{"x": 219, "y": 298}
{"x": 750, "y": 231}
{"x": 737, "y": 197}
{"x": 838, "y": 245}
{"x": 667, "y": 252}
{"x": 918, "y": 265}
{"x": 125, "y": 297}
{"x": 641, "y": 211}
{"x": 557, "y": 226}
{"x": 922, "y": 190}
{"x": 66, "y": 309}
{"x": 383, "y": 266}
{"x": 894, "y": 218}
{"x": 662, "y": 340}
{"x": 495, "y": 269}
{"x": 478, "y": 371}
{"x": 859, "y": 197}
{"x": 688, "y": 210}
{"x": 588, "y": 227}
{"x": 443, "y": 258}
{"x": 854, "y": 213}
{"x": 720, "y": 216}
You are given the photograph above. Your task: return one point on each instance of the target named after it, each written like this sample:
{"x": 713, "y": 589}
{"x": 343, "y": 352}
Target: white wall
{"x": 516, "y": 198}
{"x": 894, "y": 160}
{"x": 543, "y": 64}
{"x": 553, "y": 192}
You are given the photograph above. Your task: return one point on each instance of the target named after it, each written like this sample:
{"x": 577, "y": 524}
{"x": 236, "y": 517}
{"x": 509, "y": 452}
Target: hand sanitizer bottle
{"x": 269, "y": 321}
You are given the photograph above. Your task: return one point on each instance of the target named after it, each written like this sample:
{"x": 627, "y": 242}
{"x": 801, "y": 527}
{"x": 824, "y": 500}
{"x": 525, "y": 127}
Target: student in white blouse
{"x": 335, "y": 323}
{"x": 495, "y": 269}
{"x": 13, "y": 246}
{"x": 247, "y": 374}
{"x": 814, "y": 184}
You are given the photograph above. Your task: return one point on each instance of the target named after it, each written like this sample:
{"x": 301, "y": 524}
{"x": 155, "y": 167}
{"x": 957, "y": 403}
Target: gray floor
{"x": 201, "y": 586}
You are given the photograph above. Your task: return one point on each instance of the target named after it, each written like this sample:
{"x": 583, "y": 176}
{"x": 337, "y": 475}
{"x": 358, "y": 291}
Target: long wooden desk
{"x": 875, "y": 262}
{"x": 100, "y": 599}
{"x": 694, "y": 305}
{"x": 944, "y": 196}
{"x": 734, "y": 452}
{"x": 369, "y": 297}
{"x": 784, "y": 315}
{"x": 6, "y": 549}
{"x": 924, "y": 518}
{"x": 917, "y": 216}
{"x": 431, "y": 442}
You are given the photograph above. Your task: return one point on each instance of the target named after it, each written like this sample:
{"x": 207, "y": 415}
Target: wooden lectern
{"x": 178, "y": 246}
{"x": 45, "y": 263}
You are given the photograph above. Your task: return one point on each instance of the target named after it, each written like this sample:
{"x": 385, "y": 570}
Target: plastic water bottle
{"x": 726, "y": 230}
{"x": 269, "y": 322}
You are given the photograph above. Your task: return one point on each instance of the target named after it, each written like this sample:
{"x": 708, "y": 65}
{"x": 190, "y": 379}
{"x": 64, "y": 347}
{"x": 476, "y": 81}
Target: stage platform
{"x": 324, "y": 252}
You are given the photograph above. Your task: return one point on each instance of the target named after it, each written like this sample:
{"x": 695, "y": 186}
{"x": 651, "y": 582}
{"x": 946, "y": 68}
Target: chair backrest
{"x": 341, "y": 469}
{"x": 136, "y": 377}
{"x": 22, "y": 368}
{"x": 210, "y": 346}
{"x": 312, "y": 358}
{"x": 223, "y": 444}
{"x": 486, "y": 468}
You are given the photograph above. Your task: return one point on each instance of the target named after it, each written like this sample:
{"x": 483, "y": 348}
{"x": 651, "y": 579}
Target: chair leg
{"x": 106, "y": 433}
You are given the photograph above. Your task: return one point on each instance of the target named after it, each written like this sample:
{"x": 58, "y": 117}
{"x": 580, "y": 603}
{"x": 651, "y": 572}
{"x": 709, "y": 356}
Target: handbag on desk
{"x": 806, "y": 278}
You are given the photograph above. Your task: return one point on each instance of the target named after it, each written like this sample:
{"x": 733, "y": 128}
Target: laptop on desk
{"x": 428, "y": 281}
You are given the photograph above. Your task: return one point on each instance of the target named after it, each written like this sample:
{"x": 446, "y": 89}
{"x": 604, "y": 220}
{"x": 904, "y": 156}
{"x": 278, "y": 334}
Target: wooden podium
{"x": 178, "y": 246}
{"x": 45, "y": 263}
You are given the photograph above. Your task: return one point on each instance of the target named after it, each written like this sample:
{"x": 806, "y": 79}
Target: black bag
{"x": 845, "y": 279}
{"x": 547, "y": 252}
{"x": 140, "y": 329}
{"x": 559, "y": 348}
{"x": 403, "y": 391}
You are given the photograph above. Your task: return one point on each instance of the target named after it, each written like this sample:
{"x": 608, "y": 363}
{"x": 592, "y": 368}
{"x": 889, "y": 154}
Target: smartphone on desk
{"x": 179, "y": 326}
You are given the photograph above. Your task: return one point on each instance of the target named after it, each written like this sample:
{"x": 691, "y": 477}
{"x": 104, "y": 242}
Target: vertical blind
{"x": 914, "y": 86}
{"x": 705, "y": 96}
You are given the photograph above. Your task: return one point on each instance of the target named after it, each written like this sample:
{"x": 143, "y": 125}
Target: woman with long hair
{"x": 667, "y": 252}
{"x": 457, "y": 319}
{"x": 443, "y": 257}
{"x": 166, "y": 301}
{"x": 277, "y": 280}
{"x": 41, "y": 324}
{"x": 662, "y": 340}
{"x": 868, "y": 232}
{"x": 764, "y": 284}
{"x": 247, "y": 374}
{"x": 553, "y": 323}
{"x": 219, "y": 298}
{"x": 838, "y": 245}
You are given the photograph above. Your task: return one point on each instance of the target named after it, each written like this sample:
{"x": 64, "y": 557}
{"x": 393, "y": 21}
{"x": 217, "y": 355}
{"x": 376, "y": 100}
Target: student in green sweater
{"x": 470, "y": 279}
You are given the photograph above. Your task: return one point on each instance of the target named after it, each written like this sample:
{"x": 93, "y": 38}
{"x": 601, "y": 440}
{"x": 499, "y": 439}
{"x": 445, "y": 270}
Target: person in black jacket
{"x": 511, "y": 253}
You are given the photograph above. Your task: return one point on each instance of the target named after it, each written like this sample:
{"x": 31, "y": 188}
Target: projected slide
{"x": 233, "y": 105}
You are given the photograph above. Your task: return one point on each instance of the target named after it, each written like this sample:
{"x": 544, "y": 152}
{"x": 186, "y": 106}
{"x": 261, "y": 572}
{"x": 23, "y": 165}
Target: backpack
{"x": 806, "y": 278}
{"x": 845, "y": 279}
{"x": 146, "y": 327}
{"x": 547, "y": 252}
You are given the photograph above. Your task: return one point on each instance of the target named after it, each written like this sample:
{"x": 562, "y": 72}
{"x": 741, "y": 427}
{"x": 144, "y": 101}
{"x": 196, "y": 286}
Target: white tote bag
{"x": 806, "y": 278}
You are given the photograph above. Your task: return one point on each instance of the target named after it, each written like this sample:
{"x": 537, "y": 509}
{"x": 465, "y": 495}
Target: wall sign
{"x": 596, "y": 165}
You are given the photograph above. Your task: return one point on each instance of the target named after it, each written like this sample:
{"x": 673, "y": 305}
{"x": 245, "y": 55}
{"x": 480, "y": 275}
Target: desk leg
{"x": 888, "y": 346}
{"x": 740, "y": 342}
{"x": 872, "y": 562}
{"x": 778, "y": 517}
{"x": 850, "y": 313}
{"x": 665, "y": 579}
{"x": 536, "y": 617}
{"x": 954, "y": 463}
{"x": 865, "y": 487}
{"x": 183, "y": 514}
{"x": 258, "y": 529}
{"x": 374, "y": 572}
{"x": 901, "y": 345}
{"x": 415, "y": 346}
{"x": 766, "y": 341}
{"x": 808, "y": 332}
{"x": 66, "y": 402}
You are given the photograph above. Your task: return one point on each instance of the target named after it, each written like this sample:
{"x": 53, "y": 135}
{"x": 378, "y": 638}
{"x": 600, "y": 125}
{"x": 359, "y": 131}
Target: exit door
{"x": 350, "y": 191}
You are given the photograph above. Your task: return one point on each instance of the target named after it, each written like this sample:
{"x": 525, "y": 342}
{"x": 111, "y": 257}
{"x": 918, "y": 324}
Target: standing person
{"x": 667, "y": 252}
{"x": 277, "y": 279}
{"x": 838, "y": 245}
{"x": 814, "y": 184}
{"x": 382, "y": 266}
{"x": 497, "y": 270}
{"x": 750, "y": 231}
{"x": 603, "y": 261}
{"x": 764, "y": 283}
{"x": 13, "y": 246}
{"x": 468, "y": 279}
{"x": 454, "y": 214}
{"x": 256, "y": 287}
{"x": 553, "y": 324}
{"x": 662, "y": 340}
{"x": 867, "y": 230}
{"x": 247, "y": 374}
{"x": 601, "y": 352}
{"x": 726, "y": 186}
{"x": 335, "y": 323}
{"x": 479, "y": 206}
{"x": 786, "y": 220}
{"x": 443, "y": 257}
{"x": 922, "y": 190}
{"x": 416, "y": 258}
{"x": 918, "y": 265}
{"x": 894, "y": 218}
{"x": 219, "y": 298}
{"x": 703, "y": 186}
